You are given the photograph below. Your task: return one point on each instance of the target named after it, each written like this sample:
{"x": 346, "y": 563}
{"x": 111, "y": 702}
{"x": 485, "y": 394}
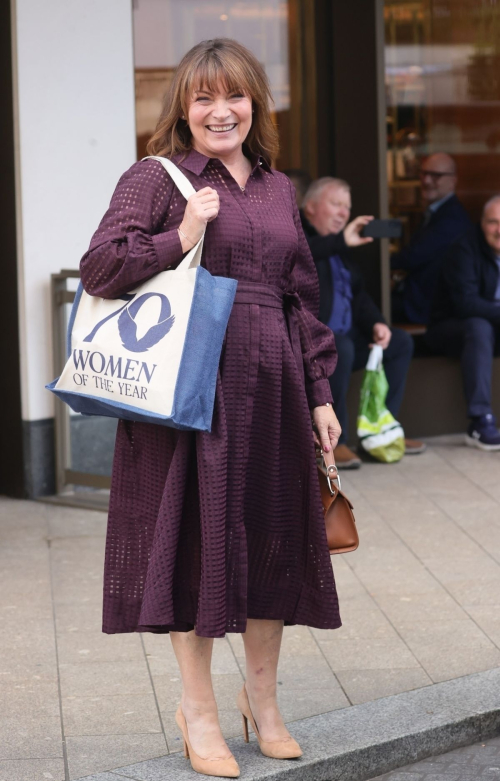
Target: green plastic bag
{"x": 380, "y": 433}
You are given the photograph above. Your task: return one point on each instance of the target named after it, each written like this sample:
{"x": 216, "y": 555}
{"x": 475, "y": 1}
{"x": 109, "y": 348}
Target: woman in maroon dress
{"x": 221, "y": 532}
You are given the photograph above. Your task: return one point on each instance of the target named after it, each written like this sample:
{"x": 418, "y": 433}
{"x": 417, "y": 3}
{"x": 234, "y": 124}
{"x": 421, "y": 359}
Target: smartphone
{"x": 383, "y": 229}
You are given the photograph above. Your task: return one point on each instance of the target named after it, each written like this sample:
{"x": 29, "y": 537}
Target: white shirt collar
{"x": 433, "y": 207}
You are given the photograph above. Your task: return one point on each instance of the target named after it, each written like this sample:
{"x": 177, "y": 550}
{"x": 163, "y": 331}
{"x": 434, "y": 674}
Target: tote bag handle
{"x": 193, "y": 258}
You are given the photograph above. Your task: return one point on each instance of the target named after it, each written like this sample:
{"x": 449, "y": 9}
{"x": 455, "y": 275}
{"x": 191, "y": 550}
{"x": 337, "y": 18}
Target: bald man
{"x": 445, "y": 219}
{"x": 466, "y": 319}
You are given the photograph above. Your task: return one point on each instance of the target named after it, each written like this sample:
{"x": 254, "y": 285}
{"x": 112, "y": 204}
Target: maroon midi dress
{"x": 205, "y": 529}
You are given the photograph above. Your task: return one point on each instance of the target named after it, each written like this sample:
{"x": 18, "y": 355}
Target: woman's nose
{"x": 221, "y": 109}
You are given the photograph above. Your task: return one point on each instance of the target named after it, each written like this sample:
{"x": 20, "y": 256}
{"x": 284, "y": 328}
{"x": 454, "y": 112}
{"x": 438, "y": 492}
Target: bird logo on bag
{"x": 127, "y": 326}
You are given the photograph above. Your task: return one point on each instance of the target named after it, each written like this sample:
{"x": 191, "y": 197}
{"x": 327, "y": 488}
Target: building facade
{"x": 362, "y": 91}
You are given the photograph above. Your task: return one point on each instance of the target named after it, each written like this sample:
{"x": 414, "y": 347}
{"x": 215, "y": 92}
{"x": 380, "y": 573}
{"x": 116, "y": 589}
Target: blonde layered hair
{"x": 209, "y": 65}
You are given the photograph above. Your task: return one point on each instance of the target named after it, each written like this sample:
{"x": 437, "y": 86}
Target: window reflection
{"x": 164, "y": 30}
{"x": 443, "y": 94}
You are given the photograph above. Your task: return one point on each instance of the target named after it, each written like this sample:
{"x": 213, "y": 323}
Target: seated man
{"x": 466, "y": 319}
{"x": 445, "y": 219}
{"x": 346, "y": 306}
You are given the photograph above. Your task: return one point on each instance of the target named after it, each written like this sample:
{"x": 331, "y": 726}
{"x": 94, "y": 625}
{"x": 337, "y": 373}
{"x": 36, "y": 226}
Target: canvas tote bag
{"x": 151, "y": 355}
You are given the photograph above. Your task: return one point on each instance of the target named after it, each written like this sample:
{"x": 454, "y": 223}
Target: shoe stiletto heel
{"x": 246, "y": 736}
{"x": 287, "y": 748}
{"x": 227, "y": 768}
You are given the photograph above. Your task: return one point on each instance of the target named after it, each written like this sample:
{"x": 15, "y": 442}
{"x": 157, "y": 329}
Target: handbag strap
{"x": 193, "y": 258}
{"x": 330, "y": 469}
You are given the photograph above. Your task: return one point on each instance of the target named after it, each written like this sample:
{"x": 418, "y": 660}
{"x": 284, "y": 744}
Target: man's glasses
{"x": 435, "y": 175}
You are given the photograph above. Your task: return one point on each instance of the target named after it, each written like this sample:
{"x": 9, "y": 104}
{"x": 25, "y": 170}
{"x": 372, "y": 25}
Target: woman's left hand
{"x": 326, "y": 430}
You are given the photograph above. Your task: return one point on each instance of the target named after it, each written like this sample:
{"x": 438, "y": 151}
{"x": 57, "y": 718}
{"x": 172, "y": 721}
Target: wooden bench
{"x": 414, "y": 329}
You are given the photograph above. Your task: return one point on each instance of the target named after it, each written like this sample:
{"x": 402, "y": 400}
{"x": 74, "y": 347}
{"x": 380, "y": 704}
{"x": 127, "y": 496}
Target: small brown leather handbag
{"x": 341, "y": 531}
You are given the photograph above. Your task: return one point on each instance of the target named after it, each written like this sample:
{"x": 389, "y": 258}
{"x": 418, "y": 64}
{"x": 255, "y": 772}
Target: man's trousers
{"x": 475, "y": 341}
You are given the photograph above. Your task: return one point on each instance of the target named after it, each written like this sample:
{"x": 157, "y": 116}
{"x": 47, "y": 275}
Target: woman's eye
{"x": 200, "y": 98}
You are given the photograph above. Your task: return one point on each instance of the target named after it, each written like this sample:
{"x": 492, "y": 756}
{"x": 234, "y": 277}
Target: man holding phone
{"x": 346, "y": 306}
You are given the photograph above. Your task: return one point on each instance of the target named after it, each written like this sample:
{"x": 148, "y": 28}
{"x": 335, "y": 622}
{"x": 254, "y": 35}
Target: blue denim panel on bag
{"x": 195, "y": 388}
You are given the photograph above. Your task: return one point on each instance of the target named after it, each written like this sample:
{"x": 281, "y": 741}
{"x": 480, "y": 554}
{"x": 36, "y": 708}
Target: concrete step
{"x": 360, "y": 742}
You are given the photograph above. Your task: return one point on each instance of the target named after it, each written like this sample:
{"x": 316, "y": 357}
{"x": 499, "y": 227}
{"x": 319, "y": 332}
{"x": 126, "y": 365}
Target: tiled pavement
{"x": 472, "y": 763}
{"x": 420, "y": 602}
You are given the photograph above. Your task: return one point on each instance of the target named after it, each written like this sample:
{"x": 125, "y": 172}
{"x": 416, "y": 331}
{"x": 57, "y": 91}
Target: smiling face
{"x": 219, "y": 121}
{"x": 438, "y": 177}
{"x": 490, "y": 223}
{"x": 330, "y": 212}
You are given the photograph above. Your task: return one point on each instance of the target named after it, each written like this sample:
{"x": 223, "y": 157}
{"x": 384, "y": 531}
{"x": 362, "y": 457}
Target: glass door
{"x": 275, "y": 31}
{"x": 442, "y": 66}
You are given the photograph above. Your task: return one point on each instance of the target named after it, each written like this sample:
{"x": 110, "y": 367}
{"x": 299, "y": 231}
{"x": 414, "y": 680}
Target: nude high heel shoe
{"x": 228, "y": 768}
{"x": 287, "y": 748}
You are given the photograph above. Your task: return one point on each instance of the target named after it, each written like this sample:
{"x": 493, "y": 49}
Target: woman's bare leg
{"x": 262, "y": 649}
{"x": 194, "y": 656}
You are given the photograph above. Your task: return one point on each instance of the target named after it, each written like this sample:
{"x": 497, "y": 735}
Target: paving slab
{"x": 375, "y": 653}
{"x": 115, "y": 776}
{"x": 104, "y": 678}
{"x": 23, "y": 740}
{"x": 368, "y": 624}
{"x": 81, "y": 523}
{"x": 419, "y": 602}
{"x": 112, "y": 715}
{"x": 488, "y": 618}
{"x": 367, "y": 685}
{"x": 360, "y": 742}
{"x": 51, "y": 769}
{"x": 93, "y": 646}
{"x": 93, "y": 753}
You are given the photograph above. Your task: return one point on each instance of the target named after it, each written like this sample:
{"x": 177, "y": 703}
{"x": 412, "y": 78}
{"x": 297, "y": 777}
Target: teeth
{"x": 221, "y": 128}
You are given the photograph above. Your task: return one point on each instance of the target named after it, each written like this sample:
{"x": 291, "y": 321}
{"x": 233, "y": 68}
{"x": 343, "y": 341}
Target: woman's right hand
{"x": 202, "y": 207}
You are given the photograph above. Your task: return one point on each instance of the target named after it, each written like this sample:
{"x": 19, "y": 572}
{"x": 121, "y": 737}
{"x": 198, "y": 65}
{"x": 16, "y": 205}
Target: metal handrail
{"x": 66, "y": 477}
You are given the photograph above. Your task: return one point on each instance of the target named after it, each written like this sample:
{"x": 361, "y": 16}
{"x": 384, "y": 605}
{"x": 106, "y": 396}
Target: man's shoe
{"x": 413, "y": 447}
{"x": 345, "y": 458}
{"x": 483, "y": 433}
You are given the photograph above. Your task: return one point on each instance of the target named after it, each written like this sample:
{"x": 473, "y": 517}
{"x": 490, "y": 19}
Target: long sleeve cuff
{"x": 168, "y": 249}
{"x": 318, "y": 393}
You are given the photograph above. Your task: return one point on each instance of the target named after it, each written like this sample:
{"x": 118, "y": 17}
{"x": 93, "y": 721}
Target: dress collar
{"x": 196, "y": 162}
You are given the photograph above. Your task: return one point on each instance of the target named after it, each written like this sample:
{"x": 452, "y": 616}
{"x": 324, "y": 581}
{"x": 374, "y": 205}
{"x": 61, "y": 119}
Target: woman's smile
{"x": 221, "y": 128}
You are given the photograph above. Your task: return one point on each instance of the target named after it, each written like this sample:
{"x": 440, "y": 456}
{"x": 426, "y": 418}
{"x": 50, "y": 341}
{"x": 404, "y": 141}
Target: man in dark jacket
{"x": 445, "y": 219}
{"x": 466, "y": 319}
{"x": 346, "y": 306}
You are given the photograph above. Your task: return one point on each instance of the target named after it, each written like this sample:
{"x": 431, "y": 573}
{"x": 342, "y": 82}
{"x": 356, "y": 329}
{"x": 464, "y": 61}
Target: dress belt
{"x": 275, "y": 297}
{"x": 266, "y": 295}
